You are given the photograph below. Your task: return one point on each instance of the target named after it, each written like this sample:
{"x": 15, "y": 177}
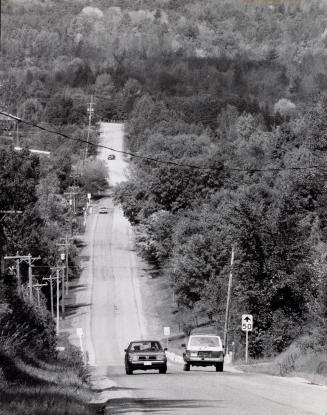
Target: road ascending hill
{"x": 113, "y": 315}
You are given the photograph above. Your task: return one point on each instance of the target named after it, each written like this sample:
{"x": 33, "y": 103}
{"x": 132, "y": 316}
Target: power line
{"x": 160, "y": 161}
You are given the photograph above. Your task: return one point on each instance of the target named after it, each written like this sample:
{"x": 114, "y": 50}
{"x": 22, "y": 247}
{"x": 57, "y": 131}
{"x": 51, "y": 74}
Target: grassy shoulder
{"x": 35, "y": 377}
{"x": 293, "y": 362}
{"x": 33, "y": 386}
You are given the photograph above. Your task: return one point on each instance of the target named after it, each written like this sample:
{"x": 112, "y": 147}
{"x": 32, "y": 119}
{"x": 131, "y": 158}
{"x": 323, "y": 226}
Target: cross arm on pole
{"x": 19, "y": 257}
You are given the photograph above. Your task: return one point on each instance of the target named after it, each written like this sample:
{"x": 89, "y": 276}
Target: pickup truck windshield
{"x": 205, "y": 342}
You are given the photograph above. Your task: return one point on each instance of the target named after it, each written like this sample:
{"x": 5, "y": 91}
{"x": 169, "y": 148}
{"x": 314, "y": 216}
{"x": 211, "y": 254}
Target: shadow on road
{"x": 115, "y": 389}
{"x": 84, "y": 258}
{"x": 127, "y": 405}
{"x": 78, "y": 287}
{"x": 72, "y": 308}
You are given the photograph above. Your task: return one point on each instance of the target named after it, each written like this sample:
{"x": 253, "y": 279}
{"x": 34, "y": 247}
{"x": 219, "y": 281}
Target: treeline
{"x": 55, "y": 55}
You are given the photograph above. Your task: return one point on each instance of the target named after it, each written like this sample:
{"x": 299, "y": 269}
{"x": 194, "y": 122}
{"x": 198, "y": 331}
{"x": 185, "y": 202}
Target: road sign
{"x": 79, "y": 331}
{"x": 247, "y": 325}
{"x": 247, "y": 322}
{"x": 166, "y": 331}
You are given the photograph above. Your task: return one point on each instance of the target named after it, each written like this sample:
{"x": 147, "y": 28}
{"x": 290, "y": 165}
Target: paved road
{"x": 117, "y": 317}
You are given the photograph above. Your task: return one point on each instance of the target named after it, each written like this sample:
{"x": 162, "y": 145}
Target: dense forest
{"x": 230, "y": 97}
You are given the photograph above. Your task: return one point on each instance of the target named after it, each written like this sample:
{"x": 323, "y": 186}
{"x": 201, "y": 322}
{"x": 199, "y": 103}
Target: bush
{"x": 26, "y": 329}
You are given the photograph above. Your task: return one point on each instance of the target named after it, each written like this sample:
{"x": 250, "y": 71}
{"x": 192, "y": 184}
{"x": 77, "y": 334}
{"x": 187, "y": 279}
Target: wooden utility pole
{"x": 38, "y": 288}
{"x": 90, "y": 111}
{"x": 30, "y": 277}
{"x": 50, "y": 278}
{"x": 66, "y": 245}
{"x": 25, "y": 258}
{"x": 19, "y": 282}
{"x": 58, "y": 281}
{"x": 74, "y": 190}
{"x": 0, "y": 26}
{"x": 17, "y": 131}
{"x": 66, "y": 264}
{"x": 57, "y": 278}
{"x": 229, "y": 291}
{"x": 3, "y": 215}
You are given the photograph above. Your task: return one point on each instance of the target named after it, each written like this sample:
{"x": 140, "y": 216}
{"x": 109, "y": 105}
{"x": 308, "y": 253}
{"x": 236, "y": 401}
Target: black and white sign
{"x": 247, "y": 322}
{"x": 166, "y": 331}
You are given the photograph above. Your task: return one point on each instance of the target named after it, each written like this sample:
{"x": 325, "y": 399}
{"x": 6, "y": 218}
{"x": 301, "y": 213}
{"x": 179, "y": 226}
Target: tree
{"x": 284, "y": 107}
{"x": 31, "y": 110}
{"x": 93, "y": 176}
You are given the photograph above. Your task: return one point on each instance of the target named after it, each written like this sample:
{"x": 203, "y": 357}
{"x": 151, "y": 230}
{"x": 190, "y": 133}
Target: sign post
{"x": 247, "y": 325}
{"x": 167, "y": 334}
{"x": 79, "y": 332}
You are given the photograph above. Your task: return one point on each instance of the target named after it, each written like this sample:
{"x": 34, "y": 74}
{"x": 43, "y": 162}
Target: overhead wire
{"x": 156, "y": 160}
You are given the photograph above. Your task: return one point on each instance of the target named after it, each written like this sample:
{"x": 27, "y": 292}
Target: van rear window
{"x": 205, "y": 341}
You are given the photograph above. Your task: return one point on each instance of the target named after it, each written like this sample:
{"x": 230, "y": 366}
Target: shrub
{"x": 27, "y": 329}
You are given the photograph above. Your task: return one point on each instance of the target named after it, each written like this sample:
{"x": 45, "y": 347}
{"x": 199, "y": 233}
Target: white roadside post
{"x": 167, "y": 334}
{"x": 247, "y": 325}
{"x": 88, "y": 204}
{"x": 79, "y": 332}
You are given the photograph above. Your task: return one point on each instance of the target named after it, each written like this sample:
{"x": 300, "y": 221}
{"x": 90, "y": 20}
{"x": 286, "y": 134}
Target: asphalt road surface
{"x": 116, "y": 317}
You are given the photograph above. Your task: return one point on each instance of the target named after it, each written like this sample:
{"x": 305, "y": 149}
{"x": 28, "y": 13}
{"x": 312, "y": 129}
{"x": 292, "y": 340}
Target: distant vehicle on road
{"x": 111, "y": 157}
{"x": 103, "y": 209}
{"x": 145, "y": 355}
{"x": 204, "y": 350}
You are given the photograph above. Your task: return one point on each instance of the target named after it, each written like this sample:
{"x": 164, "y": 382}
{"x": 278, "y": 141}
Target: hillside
{"x": 225, "y": 101}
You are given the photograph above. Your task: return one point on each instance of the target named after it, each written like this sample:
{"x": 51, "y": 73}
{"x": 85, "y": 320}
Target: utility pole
{"x": 0, "y": 26}
{"x": 17, "y": 131}
{"x": 50, "y": 278}
{"x": 4, "y": 214}
{"x": 26, "y": 258}
{"x": 90, "y": 111}
{"x": 66, "y": 245}
{"x": 57, "y": 278}
{"x": 19, "y": 282}
{"x": 229, "y": 291}
{"x": 74, "y": 190}
{"x": 63, "y": 293}
{"x": 30, "y": 277}
{"x": 38, "y": 288}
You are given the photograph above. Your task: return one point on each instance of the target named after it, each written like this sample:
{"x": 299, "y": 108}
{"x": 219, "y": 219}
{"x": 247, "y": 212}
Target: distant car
{"x": 204, "y": 350}
{"x": 111, "y": 157}
{"x": 145, "y": 355}
{"x": 103, "y": 209}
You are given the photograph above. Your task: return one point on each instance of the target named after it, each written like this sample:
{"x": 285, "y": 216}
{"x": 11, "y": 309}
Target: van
{"x": 204, "y": 350}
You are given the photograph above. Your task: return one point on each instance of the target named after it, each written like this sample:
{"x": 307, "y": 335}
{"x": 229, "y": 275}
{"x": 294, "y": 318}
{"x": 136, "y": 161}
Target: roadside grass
{"x": 295, "y": 362}
{"x": 157, "y": 301}
{"x": 44, "y": 399}
{"x": 55, "y": 387}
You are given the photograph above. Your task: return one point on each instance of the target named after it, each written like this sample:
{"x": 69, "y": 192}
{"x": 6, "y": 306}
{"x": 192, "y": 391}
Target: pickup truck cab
{"x": 204, "y": 350}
